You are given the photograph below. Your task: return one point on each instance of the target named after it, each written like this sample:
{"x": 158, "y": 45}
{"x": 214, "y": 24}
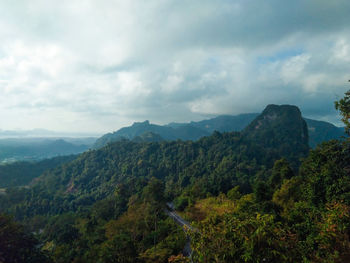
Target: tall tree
{"x": 343, "y": 105}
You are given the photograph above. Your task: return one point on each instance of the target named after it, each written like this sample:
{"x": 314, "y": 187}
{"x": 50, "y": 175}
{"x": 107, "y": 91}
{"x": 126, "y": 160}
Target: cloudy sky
{"x": 98, "y": 65}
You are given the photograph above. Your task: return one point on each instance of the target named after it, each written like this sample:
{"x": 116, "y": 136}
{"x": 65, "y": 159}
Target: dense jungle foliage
{"x": 254, "y": 196}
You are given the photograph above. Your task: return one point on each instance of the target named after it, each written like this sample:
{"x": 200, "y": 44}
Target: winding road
{"x": 179, "y": 220}
{"x": 187, "y": 251}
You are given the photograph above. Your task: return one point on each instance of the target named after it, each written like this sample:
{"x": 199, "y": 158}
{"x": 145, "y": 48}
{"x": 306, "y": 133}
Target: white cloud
{"x": 172, "y": 83}
{"x": 293, "y": 68}
{"x": 341, "y": 51}
{"x": 98, "y": 65}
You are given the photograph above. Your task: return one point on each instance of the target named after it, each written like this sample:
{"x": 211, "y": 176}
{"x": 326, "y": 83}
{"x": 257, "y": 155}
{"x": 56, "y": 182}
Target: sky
{"x": 99, "y": 65}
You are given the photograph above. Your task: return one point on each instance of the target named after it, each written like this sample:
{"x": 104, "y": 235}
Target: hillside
{"x": 22, "y": 173}
{"x": 216, "y": 163}
{"x": 321, "y": 131}
{"x": 148, "y": 137}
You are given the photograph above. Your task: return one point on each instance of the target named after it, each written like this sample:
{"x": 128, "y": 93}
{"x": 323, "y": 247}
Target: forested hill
{"x": 215, "y": 164}
{"x": 280, "y": 127}
{"x": 319, "y": 131}
{"x": 22, "y": 173}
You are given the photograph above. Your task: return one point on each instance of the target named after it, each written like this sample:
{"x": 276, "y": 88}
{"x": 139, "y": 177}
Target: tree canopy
{"x": 343, "y": 105}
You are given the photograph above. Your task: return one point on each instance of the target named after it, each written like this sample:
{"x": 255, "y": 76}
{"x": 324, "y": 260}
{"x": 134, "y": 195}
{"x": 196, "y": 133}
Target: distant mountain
{"x": 61, "y": 147}
{"x": 88, "y": 141}
{"x": 37, "y": 149}
{"x": 223, "y": 123}
{"x": 185, "y": 132}
{"x": 319, "y": 131}
{"x": 40, "y": 133}
{"x": 280, "y": 127}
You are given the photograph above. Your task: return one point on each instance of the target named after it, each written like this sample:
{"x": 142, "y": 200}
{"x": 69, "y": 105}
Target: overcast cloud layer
{"x": 99, "y": 65}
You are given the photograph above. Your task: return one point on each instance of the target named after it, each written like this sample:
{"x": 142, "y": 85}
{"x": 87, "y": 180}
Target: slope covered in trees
{"x": 321, "y": 131}
{"x": 22, "y": 173}
{"x": 214, "y": 163}
{"x": 282, "y": 128}
{"x": 17, "y": 245}
{"x": 303, "y": 217}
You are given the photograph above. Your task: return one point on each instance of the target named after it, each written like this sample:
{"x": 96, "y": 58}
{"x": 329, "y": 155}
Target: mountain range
{"x": 32, "y": 149}
{"x": 319, "y": 131}
{"x": 41, "y": 133}
{"x": 217, "y": 162}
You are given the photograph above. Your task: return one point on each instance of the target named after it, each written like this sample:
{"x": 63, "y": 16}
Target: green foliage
{"x": 262, "y": 191}
{"x": 119, "y": 249}
{"x": 333, "y": 234}
{"x": 22, "y": 173}
{"x": 193, "y": 169}
{"x": 289, "y": 193}
{"x": 153, "y": 192}
{"x": 16, "y": 245}
{"x": 280, "y": 171}
{"x": 326, "y": 173}
{"x": 343, "y": 105}
{"x": 61, "y": 229}
{"x": 181, "y": 203}
{"x": 309, "y": 224}
{"x": 242, "y": 238}
{"x": 234, "y": 193}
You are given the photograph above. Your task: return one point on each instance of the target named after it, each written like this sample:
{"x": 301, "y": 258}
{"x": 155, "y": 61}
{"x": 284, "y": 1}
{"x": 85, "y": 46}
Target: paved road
{"x": 179, "y": 220}
{"x": 187, "y": 251}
